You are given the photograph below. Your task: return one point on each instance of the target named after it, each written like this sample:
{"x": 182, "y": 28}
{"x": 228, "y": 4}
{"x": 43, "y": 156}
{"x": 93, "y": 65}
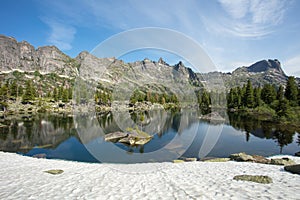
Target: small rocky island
{"x": 131, "y": 137}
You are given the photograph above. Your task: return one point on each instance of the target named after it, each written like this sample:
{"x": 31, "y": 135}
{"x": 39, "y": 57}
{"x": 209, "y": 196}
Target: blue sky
{"x": 232, "y": 33}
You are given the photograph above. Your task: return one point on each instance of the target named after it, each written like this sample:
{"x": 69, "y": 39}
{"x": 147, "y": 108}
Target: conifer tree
{"x": 291, "y": 91}
{"x": 280, "y": 93}
{"x": 257, "y": 97}
{"x": 268, "y": 94}
{"x": 29, "y": 94}
{"x": 249, "y": 97}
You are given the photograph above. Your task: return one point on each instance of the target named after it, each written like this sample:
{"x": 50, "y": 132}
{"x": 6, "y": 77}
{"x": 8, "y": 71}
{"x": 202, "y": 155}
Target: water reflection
{"x": 57, "y": 137}
{"x": 283, "y": 135}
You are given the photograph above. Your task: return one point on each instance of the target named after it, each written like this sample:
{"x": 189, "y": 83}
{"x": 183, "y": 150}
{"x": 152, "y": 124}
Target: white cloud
{"x": 236, "y": 9}
{"x": 292, "y": 65}
{"x": 250, "y": 18}
{"x": 61, "y": 35}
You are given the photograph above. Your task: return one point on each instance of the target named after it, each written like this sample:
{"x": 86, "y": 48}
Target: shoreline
{"x": 24, "y": 177}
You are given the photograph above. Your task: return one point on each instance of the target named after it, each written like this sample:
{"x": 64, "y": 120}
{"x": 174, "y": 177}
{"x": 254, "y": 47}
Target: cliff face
{"x": 24, "y": 57}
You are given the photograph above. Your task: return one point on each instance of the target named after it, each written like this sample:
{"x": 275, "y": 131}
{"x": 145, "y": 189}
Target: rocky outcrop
{"x": 282, "y": 161}
{"x": 23, "y": 56}
{"x": 131, "y": 137}
{"x": 295, "y": 169}
{"x": 262, "y": 72}
{"x": 254, "y": 178}
{"x": 242, "y": 157}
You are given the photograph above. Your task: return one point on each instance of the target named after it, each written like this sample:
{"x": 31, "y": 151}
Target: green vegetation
{"x": 158, "y": 95}
{"x": 275, "y": 103}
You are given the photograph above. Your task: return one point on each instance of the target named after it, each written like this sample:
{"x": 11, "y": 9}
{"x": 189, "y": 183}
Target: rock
{"x": 54, "y": 171}
{"x": 142, "y": 141}
{"x": 113, "y": 137}
{"x": 297, "y": 154}
{"x": 295, "y": 169}
{"x": 254, "y": 178}
{"x": 40, "y": 155}
{"x": 260, "y": 159}
{"x": 214, "y": 116}
{"x": 217, "y": 160}
{"x": 282, "y": 161}
{"x": 131, "y": 137}
{"x": 178, "y": 161}
{"x": 241, "y": 157}
{"x": 190, "y": 159}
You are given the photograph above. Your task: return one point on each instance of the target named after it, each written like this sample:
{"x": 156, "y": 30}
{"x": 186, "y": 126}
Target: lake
{"x": 175, "y": 134}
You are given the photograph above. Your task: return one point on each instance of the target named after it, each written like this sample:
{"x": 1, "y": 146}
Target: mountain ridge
{"x": 24, "y": 57}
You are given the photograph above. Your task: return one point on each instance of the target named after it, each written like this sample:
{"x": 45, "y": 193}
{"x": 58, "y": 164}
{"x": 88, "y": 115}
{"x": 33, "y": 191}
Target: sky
{"x": 232, "y": 33}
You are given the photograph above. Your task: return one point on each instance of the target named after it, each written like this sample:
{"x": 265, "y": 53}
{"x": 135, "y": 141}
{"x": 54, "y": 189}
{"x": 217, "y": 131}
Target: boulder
{"x": 295, "y": 169}
{"x": 190, "y": 159}
{"x": 115, "y": 136}
{"x": 260, "y": 159}
{"x": 243, "y": 157}
{"x": 40, "y": 155}
{"x": 131, "y": 137}
{"x": 297, "y": 154}
{"x": 178, "y": 161}
{"x": 282, "y": 161}
{"x": 214, "y": 116}
{"x": 217, "y": 160}
{"x": 54, "y": 171}
{"x": 254, "y": 178}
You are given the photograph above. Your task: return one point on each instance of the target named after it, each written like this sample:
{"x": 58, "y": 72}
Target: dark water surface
{"x": 56, "y": 136}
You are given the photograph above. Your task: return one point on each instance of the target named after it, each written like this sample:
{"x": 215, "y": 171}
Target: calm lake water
{"x": 174, "y": 134}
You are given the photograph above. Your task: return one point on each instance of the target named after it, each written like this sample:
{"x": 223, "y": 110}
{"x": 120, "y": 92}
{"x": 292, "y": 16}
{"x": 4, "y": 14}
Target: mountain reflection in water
{"x": 55, "y": 136}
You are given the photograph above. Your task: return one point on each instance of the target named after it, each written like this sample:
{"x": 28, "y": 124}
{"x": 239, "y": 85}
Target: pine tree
{"x": 14, "y": 89}
{"x": 280, "y": 93}
{"x": 257, "y": 97}
{"x": 249, "y": 97}
{"x": 65, "y": 96}
{"x": 299, "y": 97}
{"x": 268, "y": 94}
{"x": 291, "y": 91}
{"x": 282, "y": 107}
{"x": 205, "y": 102}
{"x": 55, "y": 94}
{"x": 29, "y": 94}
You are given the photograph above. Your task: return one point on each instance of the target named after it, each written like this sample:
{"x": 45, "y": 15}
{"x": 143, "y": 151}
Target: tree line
{"x": 29, "y": 93}
{"x": 280, "y": 99}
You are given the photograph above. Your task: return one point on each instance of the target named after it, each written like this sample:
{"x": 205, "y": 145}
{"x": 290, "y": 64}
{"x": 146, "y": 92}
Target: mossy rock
{"x": 54, "y": 171}
{"x": 254, "y": 178}
{"x": 282, "y": 161}
{"x": 178, "y": 161}
{"x": 217, "y": 160}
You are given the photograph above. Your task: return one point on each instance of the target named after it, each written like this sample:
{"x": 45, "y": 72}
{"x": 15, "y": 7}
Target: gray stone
{"x": 295, "y": 169}
{"x": 282, "y": 161}
{"x": 297, "y": 154}
{"x": 254, "y": 178}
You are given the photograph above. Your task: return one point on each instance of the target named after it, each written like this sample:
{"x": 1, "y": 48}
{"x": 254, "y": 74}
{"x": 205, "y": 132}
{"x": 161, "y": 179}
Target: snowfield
{"x": 24, "y": 178}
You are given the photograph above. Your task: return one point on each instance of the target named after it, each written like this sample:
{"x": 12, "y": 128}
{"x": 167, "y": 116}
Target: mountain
{"x": 20, "y": 60}
{"x": 260, "y": 73}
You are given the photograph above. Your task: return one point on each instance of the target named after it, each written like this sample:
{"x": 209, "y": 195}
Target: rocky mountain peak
{"x": 265, "y": 65}
{"x": 161, "y": 61}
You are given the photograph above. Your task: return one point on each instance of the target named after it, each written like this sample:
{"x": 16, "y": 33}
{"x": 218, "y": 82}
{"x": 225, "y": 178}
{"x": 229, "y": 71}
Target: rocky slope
{"x": 24, "y": 58}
